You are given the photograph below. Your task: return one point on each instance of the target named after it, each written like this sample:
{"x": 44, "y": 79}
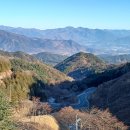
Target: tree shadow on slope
{"x": 116, "y": 103}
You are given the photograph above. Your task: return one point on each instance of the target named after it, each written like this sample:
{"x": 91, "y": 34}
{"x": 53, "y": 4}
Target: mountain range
{"x": 14, "y": 42}
{"x": 98, "y": 41}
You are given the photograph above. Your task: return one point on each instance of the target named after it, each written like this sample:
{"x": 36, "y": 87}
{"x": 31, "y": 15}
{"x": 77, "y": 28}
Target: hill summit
{"x": 81, "y": 65}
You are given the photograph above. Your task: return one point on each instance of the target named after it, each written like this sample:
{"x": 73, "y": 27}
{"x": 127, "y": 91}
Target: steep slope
{"x": 14, "y": 42}
{"x": 49, "y": 58}
{"x": 81, "y": 65}
{"x": 115, "y": 59}
{"x": 115, "y": 95}
{"x": 45, "y": 73}
{"x": 112, "y": 72}
{"x": 21, "y": 79}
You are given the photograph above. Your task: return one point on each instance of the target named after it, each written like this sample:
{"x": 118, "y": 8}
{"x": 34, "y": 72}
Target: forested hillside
{"x": 81, "y": 65}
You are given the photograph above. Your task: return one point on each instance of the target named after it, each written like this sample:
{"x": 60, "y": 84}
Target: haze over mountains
{"x": 115, "y": 59}
{"x": 99, "y": 41}
{"x": 14, "y": 42}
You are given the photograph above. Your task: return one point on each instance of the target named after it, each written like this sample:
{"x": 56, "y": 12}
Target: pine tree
{"x": 5, "y": 114}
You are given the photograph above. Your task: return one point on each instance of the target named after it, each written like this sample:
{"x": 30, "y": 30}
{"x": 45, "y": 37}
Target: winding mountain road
{"x": 83, "y": 98}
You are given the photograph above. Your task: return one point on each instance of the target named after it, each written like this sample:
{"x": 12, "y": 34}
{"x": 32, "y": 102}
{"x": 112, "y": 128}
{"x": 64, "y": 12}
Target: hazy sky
{"x": 43, "y": 14}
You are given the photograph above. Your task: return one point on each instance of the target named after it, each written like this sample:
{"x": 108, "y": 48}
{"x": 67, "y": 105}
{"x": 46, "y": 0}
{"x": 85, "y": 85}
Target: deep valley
{"x": 59, "y": 80}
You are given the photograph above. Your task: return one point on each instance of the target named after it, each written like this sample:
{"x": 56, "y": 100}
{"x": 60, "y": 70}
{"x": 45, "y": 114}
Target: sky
{"x": 47, "y": 14}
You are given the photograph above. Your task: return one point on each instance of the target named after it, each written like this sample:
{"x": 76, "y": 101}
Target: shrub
{"x": 40, "y": 108}
{"x": 93, "y": 119}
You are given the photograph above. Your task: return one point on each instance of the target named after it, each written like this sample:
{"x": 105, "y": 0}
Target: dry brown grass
{"x": 25, "y": 121}
{"x": 22, "y": 110}
{"x": 45, "y": 122}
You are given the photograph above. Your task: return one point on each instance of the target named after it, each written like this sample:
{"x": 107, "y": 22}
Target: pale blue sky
{"x": 43, "y": 14}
